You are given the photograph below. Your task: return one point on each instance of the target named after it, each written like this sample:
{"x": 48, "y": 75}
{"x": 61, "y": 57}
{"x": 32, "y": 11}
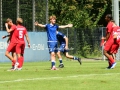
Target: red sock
{"x": 13, "y": 62}
{"x": 111, "y": 60}
{"x": 22, "y": 60}
{"x": 19, "y": 61}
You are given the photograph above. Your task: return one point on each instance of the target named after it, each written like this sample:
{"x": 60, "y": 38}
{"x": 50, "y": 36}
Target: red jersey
{"x": 20, "y": 32}
{"x": 109, "y": 29}
{"x": 110, "y": 41}
{"x": 13, "y": 38}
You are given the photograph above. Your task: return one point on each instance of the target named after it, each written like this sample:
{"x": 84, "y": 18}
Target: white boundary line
{"x": 48, "y": 78}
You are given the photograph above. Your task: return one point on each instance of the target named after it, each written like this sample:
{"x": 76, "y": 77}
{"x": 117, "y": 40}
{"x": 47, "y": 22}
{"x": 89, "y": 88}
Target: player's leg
{"x": 110, "y": 58}
{"x": 10, "y": 48}
{"x": 60, "y": 59}
{"x": 22, "y": 61}
{"x": 53, "y": 62}
{"x": 114, "y": 50}
{"x": 106, "y": 51}
{"x": 52, "y": 49}
{"x": 73, "y": 57}
{"x": 22, "y": 57}
{"x": 114, "y": 56}
{"x": 18, "y": 51}
{"x": 61, "y": 49}
{"x": 15, "y": 58}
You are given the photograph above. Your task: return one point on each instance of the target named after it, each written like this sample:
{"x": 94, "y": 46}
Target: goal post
{"x": 115, "y": 11}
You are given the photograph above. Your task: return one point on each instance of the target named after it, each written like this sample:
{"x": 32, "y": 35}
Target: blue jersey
{"x": 51, "y": 32}
{"x": 61, "y": 38}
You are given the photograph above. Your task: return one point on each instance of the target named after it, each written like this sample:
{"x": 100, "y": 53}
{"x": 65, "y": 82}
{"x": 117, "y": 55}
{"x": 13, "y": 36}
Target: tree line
{"x": 85, "y": 15}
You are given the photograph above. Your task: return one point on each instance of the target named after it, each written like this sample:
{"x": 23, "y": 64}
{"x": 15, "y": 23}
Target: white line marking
{"x": 48, "y": 78}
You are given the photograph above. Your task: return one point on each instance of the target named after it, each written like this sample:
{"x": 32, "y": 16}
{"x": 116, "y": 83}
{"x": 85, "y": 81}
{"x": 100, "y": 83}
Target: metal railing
{"x": 29, "y": 10}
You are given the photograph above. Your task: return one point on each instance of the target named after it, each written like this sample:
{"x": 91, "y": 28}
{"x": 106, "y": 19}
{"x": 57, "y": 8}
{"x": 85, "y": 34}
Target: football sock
{"x": 53, "y": 63}
{"x": 60, "y": 60}
{"x": 20, "y": 61}
{"x": 13, "y": 62}
{"x": 109, "y": 63}
{"x": 111, "y": 60}
{"x": 75, "y": 58}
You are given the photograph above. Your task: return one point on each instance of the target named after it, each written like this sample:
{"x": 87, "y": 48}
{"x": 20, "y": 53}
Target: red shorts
{"x": 11, "y": 47}
{"x": 114, "y": 48}
{"x": 108, "y": 45}
{"x": 20, "y": 48}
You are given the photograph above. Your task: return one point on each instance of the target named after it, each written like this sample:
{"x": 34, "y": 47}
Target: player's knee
{"x": 58, "y": 54}
{"x": 53, "y": 54}
{"x": 105, "y": 52}
{"x": 6, "y": 53}
{"x": 67, "y": 55}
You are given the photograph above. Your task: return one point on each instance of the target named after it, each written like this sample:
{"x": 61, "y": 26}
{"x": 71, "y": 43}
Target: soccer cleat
{"x": 79, "y": 60}
{"x": 113, "y": 65}
{"x": 109, "y": 67}
{"x": 54, "y": 68}
{"x": 16, "y": 66}
{"x": 61, "y": 66}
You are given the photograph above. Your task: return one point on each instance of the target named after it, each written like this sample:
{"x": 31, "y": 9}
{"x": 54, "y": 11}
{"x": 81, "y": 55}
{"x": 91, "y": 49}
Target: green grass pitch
{"x": 91, "y": 75}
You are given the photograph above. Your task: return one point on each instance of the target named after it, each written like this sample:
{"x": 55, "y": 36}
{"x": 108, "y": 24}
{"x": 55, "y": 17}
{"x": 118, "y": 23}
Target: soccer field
{"x": 91, "y": 75}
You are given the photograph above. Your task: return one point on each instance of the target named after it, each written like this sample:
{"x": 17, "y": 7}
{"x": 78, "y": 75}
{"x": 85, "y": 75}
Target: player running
{"x": 20, "y": 47}
{"x": 63, "y": 41}
{"x": 13, "y": 40}
{"x": 52, "y": 39}
{"x": 109, "y": 41}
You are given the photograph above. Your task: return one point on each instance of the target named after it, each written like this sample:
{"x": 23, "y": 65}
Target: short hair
{"x": 109, "y": 16}
{"x": 8, "y": 20}
{"x": 19, "y": 21}
{"x": 52, "y": 17}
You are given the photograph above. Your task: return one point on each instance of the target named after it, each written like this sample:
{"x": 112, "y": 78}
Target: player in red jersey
{"x": 109, "y": 41}
{"x": 20, "y": 33}
{"x": 13, "y": 53}
{"x": 13, "y": 41}
{"x": 116, "y": 38}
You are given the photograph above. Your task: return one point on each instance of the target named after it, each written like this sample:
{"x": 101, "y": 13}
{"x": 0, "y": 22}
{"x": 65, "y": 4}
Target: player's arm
{"x": 107, "y": 36}
{"x": 8, "y": 40}
{"x": 8, "y": 30}
{"x": 5, "y": 36}
{"x": 66, "y": 41}
{"x": 40, "y": 25}
{"x": 66, "y": 26}
{"x": 28, "y": 40}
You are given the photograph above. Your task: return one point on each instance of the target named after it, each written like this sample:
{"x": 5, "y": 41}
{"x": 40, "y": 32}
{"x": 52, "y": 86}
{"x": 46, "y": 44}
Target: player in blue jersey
{"x": 63, "y": 41}
{"x": 52, "y": 39}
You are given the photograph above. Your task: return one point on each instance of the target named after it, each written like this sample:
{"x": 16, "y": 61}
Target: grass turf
{"x": 91, "y": 75}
